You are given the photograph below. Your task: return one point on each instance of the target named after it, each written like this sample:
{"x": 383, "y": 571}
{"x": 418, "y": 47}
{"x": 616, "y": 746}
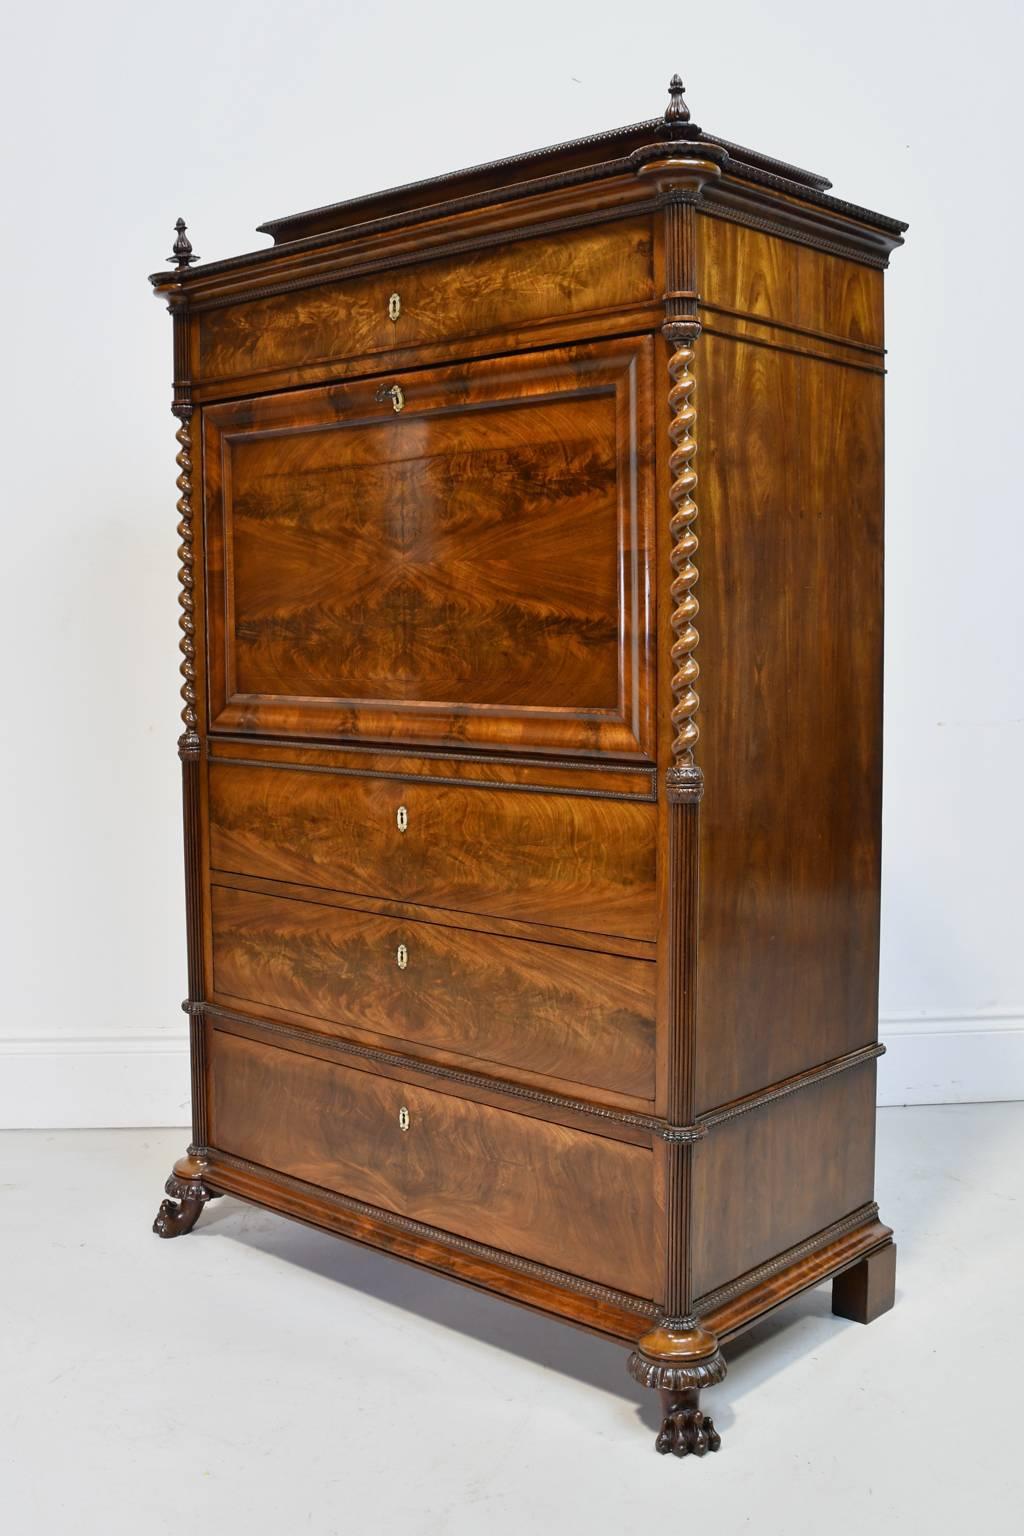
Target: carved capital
{"x": 679, "y": 172}
{"x": 684, "y": 784}
{"x": 681, "y": 332}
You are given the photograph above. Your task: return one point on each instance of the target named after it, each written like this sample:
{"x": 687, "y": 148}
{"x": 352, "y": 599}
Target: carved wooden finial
{"x": 677, "y": 123}
{"x": 677, "y": 110}
{"x": 181, "y": 252}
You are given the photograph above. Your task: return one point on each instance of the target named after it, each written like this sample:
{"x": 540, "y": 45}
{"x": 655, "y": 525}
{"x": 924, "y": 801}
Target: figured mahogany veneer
{"x": 529, "y": 282}
{"x": 531, "y": 527}
{"x": 569, "y": 861}
{"x": 574, "y": 1015}
{"x": 578, "y": 1203}
{"x": 508, "y": 502}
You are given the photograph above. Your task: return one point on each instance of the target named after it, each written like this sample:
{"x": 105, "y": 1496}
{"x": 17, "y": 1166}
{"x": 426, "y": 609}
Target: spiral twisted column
{"x": 686, "y": 669}
{"x": 189, "y": 742}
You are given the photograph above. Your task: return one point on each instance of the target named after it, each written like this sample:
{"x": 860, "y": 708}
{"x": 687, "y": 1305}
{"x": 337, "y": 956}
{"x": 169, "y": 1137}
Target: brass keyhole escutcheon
{"x": 393, "y": 392}
{"x": 403, "y": 1119}
{"x": 401, "y": 818}
{"x": 394, "y": 308}
{"x": 402, "y": 956}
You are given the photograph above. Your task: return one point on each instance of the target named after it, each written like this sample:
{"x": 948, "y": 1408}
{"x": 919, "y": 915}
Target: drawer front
{"x": 473, "y": 568}
{"x": 563, "y": 860}
{"x": 575, "y": 1015}
{"x": 522, "y": 283}
{"x": 573, "y": 1201}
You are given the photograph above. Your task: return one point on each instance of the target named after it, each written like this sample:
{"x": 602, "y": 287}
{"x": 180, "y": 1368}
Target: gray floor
{"x": 259, "y": 1377}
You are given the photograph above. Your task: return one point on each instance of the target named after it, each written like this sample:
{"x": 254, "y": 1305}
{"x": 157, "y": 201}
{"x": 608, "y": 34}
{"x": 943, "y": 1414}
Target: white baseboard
{"x": 951, "y": 1059}
{"x": 64, "y": 1082}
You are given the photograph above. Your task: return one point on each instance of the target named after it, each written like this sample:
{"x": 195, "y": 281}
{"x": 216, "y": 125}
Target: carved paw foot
{"x": 189, "y": 1194}
{"x": 686, "y": 1431}
{"x": 175, "y": 1218}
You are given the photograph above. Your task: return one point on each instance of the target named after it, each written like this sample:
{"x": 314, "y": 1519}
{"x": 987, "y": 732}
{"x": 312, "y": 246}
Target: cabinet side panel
{"x": 792, "y": 287}
{"x": 774, "y": 1176}
{"x": 791, "y": 658}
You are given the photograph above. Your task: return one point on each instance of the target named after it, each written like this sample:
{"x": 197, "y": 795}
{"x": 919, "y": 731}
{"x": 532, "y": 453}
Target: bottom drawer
{"x": 564, "y": 1198}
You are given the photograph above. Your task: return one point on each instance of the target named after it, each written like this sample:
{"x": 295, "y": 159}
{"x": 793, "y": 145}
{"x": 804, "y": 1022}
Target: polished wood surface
{"x": 567, "y": 861}
{"x": 754, "y": 274}
{"x": 591, "y": 778}
{"x": 347, "y": 542}
{"x": 570, "y": 1014}
{"x": 483, "y": 291}
{"x": 578, "y": 1203}
{"x": 753, "y": 1196}
{"x": 602, "y": 1312}
{"x": 531, "y": 589}
{"x": 868, "y": 1289}
{"x": 465, "y": 921}
{"x": 791, "y": 833}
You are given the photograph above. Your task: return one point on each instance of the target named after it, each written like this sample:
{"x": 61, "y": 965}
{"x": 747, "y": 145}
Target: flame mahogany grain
{"x": 531, "y": 526}
{"x": 571, "y": 862}
{"x": 570, "y": 1014}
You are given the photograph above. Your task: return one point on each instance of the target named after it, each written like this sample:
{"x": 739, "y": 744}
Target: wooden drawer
{"x": 568, "y": 861}
{"x": 582, "y": 1017}
{"x": 576, "y": 1202}
{"x": 518, "y": 284}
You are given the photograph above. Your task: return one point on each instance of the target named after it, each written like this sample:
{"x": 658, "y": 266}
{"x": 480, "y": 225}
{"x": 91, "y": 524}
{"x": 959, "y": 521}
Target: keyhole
{"x": 402, "y": 956}
{"x": 394, "y": 307}
{"x": 403, "y": 1119}
{"x": 402, "y": 818}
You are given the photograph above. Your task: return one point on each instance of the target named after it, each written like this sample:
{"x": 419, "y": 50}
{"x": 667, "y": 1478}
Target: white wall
{"x": 118, "y": 116}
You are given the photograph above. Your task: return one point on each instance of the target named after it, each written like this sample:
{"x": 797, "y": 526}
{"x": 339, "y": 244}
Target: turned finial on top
{"x": 677, "y": 123}
{"x": 181, "y": 251}
{"x": 677, "y": 109}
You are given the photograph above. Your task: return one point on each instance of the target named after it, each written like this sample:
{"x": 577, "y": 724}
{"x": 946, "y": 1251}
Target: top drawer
{"x": 546, "y": 280}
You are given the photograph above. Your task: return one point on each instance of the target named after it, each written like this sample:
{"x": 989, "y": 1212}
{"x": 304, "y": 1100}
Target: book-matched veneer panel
{"x": 765, "y": 1179}
{"x": 576, "y": 1015}
{"x": 568, "y": 861}
{"x": 519, "y": 283}
{"x": 579, "y": 1203}
{"x": 791, "y": 753}
{"x": 507, "y": 502}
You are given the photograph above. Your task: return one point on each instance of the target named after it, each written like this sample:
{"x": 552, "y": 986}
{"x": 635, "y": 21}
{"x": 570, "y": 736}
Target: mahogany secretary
{"x": 496, "y": 962}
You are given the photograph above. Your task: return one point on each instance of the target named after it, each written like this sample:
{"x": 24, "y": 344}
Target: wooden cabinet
{"x": 514, "y": 949}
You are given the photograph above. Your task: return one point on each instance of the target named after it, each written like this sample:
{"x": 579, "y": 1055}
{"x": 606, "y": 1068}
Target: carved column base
{"x": 188, "y": 1194}
{"x": 678, "y": 1358}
